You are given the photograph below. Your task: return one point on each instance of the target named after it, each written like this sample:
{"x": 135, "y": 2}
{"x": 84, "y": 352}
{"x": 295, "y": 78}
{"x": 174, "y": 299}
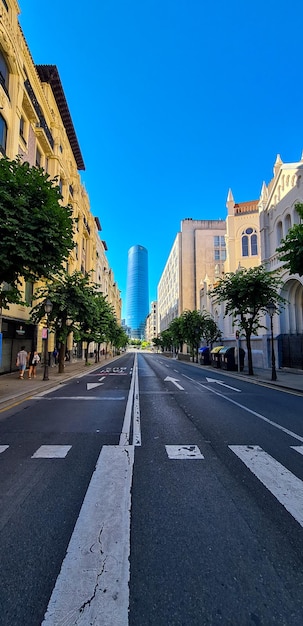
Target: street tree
{"x": 211, "y": 332}
{"x": 74, "y": 305}
{"x": 291, "y": 248}
{"x": 193, "y": 325}
{"x": 36, "y": 230}
{"x": 176, "y": 331}
{"x": 245, "y": 295}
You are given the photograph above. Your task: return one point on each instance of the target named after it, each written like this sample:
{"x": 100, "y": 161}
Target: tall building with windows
{"x": 137, "y": 303}
{"x": 36, "y": 124}
{"x": 198, "y": 251}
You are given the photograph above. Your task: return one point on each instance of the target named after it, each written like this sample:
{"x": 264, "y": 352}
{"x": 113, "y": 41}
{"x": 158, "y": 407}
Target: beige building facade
{"x": 198, "y": 250}
{"x": 35, "y": 123}
{"x": 151, "y": 328}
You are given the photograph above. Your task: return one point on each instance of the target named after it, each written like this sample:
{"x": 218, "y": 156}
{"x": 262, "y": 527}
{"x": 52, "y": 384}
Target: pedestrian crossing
{"x": 285, "y": 486}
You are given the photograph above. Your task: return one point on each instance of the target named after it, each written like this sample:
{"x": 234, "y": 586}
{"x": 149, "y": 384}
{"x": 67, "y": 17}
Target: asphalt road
{"x": 198, "y": 523}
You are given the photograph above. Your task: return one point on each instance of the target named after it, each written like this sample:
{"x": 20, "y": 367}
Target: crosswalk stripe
{"x": 298, "y": 449}
{"x": 285, "y": 486}
{"x": 51, "y": 452}
{"x": 3, "y": 448}
{"x": 93, "y": 584}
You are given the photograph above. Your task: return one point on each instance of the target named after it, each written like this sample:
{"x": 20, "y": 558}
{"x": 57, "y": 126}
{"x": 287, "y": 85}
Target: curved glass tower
{"x": 137, "y": 304}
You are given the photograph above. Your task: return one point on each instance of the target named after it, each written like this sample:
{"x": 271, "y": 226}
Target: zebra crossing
{"x": 46, "y": 452}
{"x": 285, "y": 486}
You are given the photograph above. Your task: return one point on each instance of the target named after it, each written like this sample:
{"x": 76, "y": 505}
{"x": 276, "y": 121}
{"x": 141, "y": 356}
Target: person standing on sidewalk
{"x": 22, "y": 358}
{"x": 34, "y": 359}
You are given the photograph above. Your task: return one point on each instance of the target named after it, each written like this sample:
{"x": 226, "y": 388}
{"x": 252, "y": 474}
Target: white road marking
{"x": 93, "y": 584}
{"x": 3, "y": 448}
{"x": 285, "y": 486}
{"x": 245, "y": 408}
{"x": 174, "y": 381}
{"x": 184, "y": 452}
{"x": 102, "y": 378}
{"x": 220, "y": 382}
{"x": 298, "y": 449}
{"x": 125, "y": 434}
{"x": 136, "y": 412}
{"x": 93, "y": 385}
{"x": 41, "y": 397}
{"x": 51, "y": 452}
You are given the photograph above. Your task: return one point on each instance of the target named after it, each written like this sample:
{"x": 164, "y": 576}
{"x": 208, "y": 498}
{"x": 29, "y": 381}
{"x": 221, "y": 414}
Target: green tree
{"x": 177, "y": 333}
{"x": 246, "y": 294}
{"x": 211, "y": 331}
{"x": 36, "y": 230}
{"x": 74, "y": 305}
{"x": 291, "y": 248}
{"x": 193, "y": 324}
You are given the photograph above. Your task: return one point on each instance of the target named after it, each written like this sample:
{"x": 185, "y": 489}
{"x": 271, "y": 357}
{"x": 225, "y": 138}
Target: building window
{"x": 22, "y": 128}
{"x": 3, "y": 134}
{"x": 219, "y": 248}
{"x": 4, "y": 74}
{"x": 249, "y": 242}
{"x": 28, "y": 295}
{"x": 279, "y": 233}
{"x": 38, "y": 158}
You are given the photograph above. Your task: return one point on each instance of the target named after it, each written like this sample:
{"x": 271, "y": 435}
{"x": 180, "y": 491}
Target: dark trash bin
{"x": 204, "y": 356}
{"x": 229, "y": 359}
{"x": 215, "y": 356}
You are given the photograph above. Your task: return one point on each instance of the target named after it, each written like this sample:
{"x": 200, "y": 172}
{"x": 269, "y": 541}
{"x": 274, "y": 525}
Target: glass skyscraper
{"x": 137, "y": 303}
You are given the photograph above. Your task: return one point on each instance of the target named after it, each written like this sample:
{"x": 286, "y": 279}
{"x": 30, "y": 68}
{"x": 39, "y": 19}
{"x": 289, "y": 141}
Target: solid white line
{"x": 136, "y": 412}
{"x": 245, "y": 408}
{"x": 125, "y": 434}
{"x": 40, "y": 397}
{"x": 93, "y": 584}
{"x": 284, "y": 485}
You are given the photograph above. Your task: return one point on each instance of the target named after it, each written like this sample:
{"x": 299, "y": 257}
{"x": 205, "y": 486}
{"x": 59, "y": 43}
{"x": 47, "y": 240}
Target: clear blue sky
{"x": 173, "y": 102}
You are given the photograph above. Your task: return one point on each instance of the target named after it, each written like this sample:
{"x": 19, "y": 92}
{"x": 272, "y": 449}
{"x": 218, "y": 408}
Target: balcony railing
{"x": 35, "y": 103}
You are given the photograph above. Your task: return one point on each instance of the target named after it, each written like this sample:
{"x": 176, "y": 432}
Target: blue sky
{"x": 173, "y": 102}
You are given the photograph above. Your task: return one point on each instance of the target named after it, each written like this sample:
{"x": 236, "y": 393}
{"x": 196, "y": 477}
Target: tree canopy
{"x": 36, "y": 230}
{"x": 291, "y": 248}
{"x": 246, "y": 294}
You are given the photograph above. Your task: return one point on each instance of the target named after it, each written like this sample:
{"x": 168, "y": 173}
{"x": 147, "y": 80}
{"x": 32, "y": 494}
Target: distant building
{"x": 198, "y": 251}
{"x": 151, "y": 329}
{"x": 137, "y": 303}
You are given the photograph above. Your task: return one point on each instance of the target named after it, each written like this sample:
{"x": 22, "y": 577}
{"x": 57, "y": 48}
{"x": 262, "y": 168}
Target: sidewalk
{"x": 286, "y": 378}
{"x": 13, "y": 390}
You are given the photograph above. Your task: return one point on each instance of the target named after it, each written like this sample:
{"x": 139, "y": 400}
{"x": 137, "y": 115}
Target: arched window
{"x": 3, "y": 134}
{"x": 4, "y": 73}
{"x": 279, "y": 233}
{"x": 249, "y": 242}
{"x": 287, "y": 223}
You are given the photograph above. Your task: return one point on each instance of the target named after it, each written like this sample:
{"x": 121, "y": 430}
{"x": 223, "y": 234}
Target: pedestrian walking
{"x": 21, "y": 362}
{"x": 34, "y": 359}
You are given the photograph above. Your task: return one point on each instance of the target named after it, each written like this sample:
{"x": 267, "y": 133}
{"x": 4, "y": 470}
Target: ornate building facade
{"x": 35, "y": 123}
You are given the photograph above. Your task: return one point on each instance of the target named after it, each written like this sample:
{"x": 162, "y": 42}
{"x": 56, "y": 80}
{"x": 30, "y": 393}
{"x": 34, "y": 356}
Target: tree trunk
{"x": 61, "y": 358}
{"x": 249, "y": 355}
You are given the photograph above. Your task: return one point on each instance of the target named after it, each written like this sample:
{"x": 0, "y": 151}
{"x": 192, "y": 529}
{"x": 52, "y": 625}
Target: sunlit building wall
{"x": 36, "y": 124}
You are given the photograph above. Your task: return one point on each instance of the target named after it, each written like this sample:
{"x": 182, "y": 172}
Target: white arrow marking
{"x": 93, "y": 385}
{"x": 174, "y": 380}
{"x": 219, "y": 382}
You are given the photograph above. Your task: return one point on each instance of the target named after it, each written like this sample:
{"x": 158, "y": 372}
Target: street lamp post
{"x": 48, "y": 307}
{"x": 271, "y": 310}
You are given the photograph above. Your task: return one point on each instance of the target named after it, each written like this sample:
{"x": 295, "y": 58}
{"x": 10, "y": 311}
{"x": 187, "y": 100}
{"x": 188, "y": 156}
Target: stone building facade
{"x": 35, "y": 123}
